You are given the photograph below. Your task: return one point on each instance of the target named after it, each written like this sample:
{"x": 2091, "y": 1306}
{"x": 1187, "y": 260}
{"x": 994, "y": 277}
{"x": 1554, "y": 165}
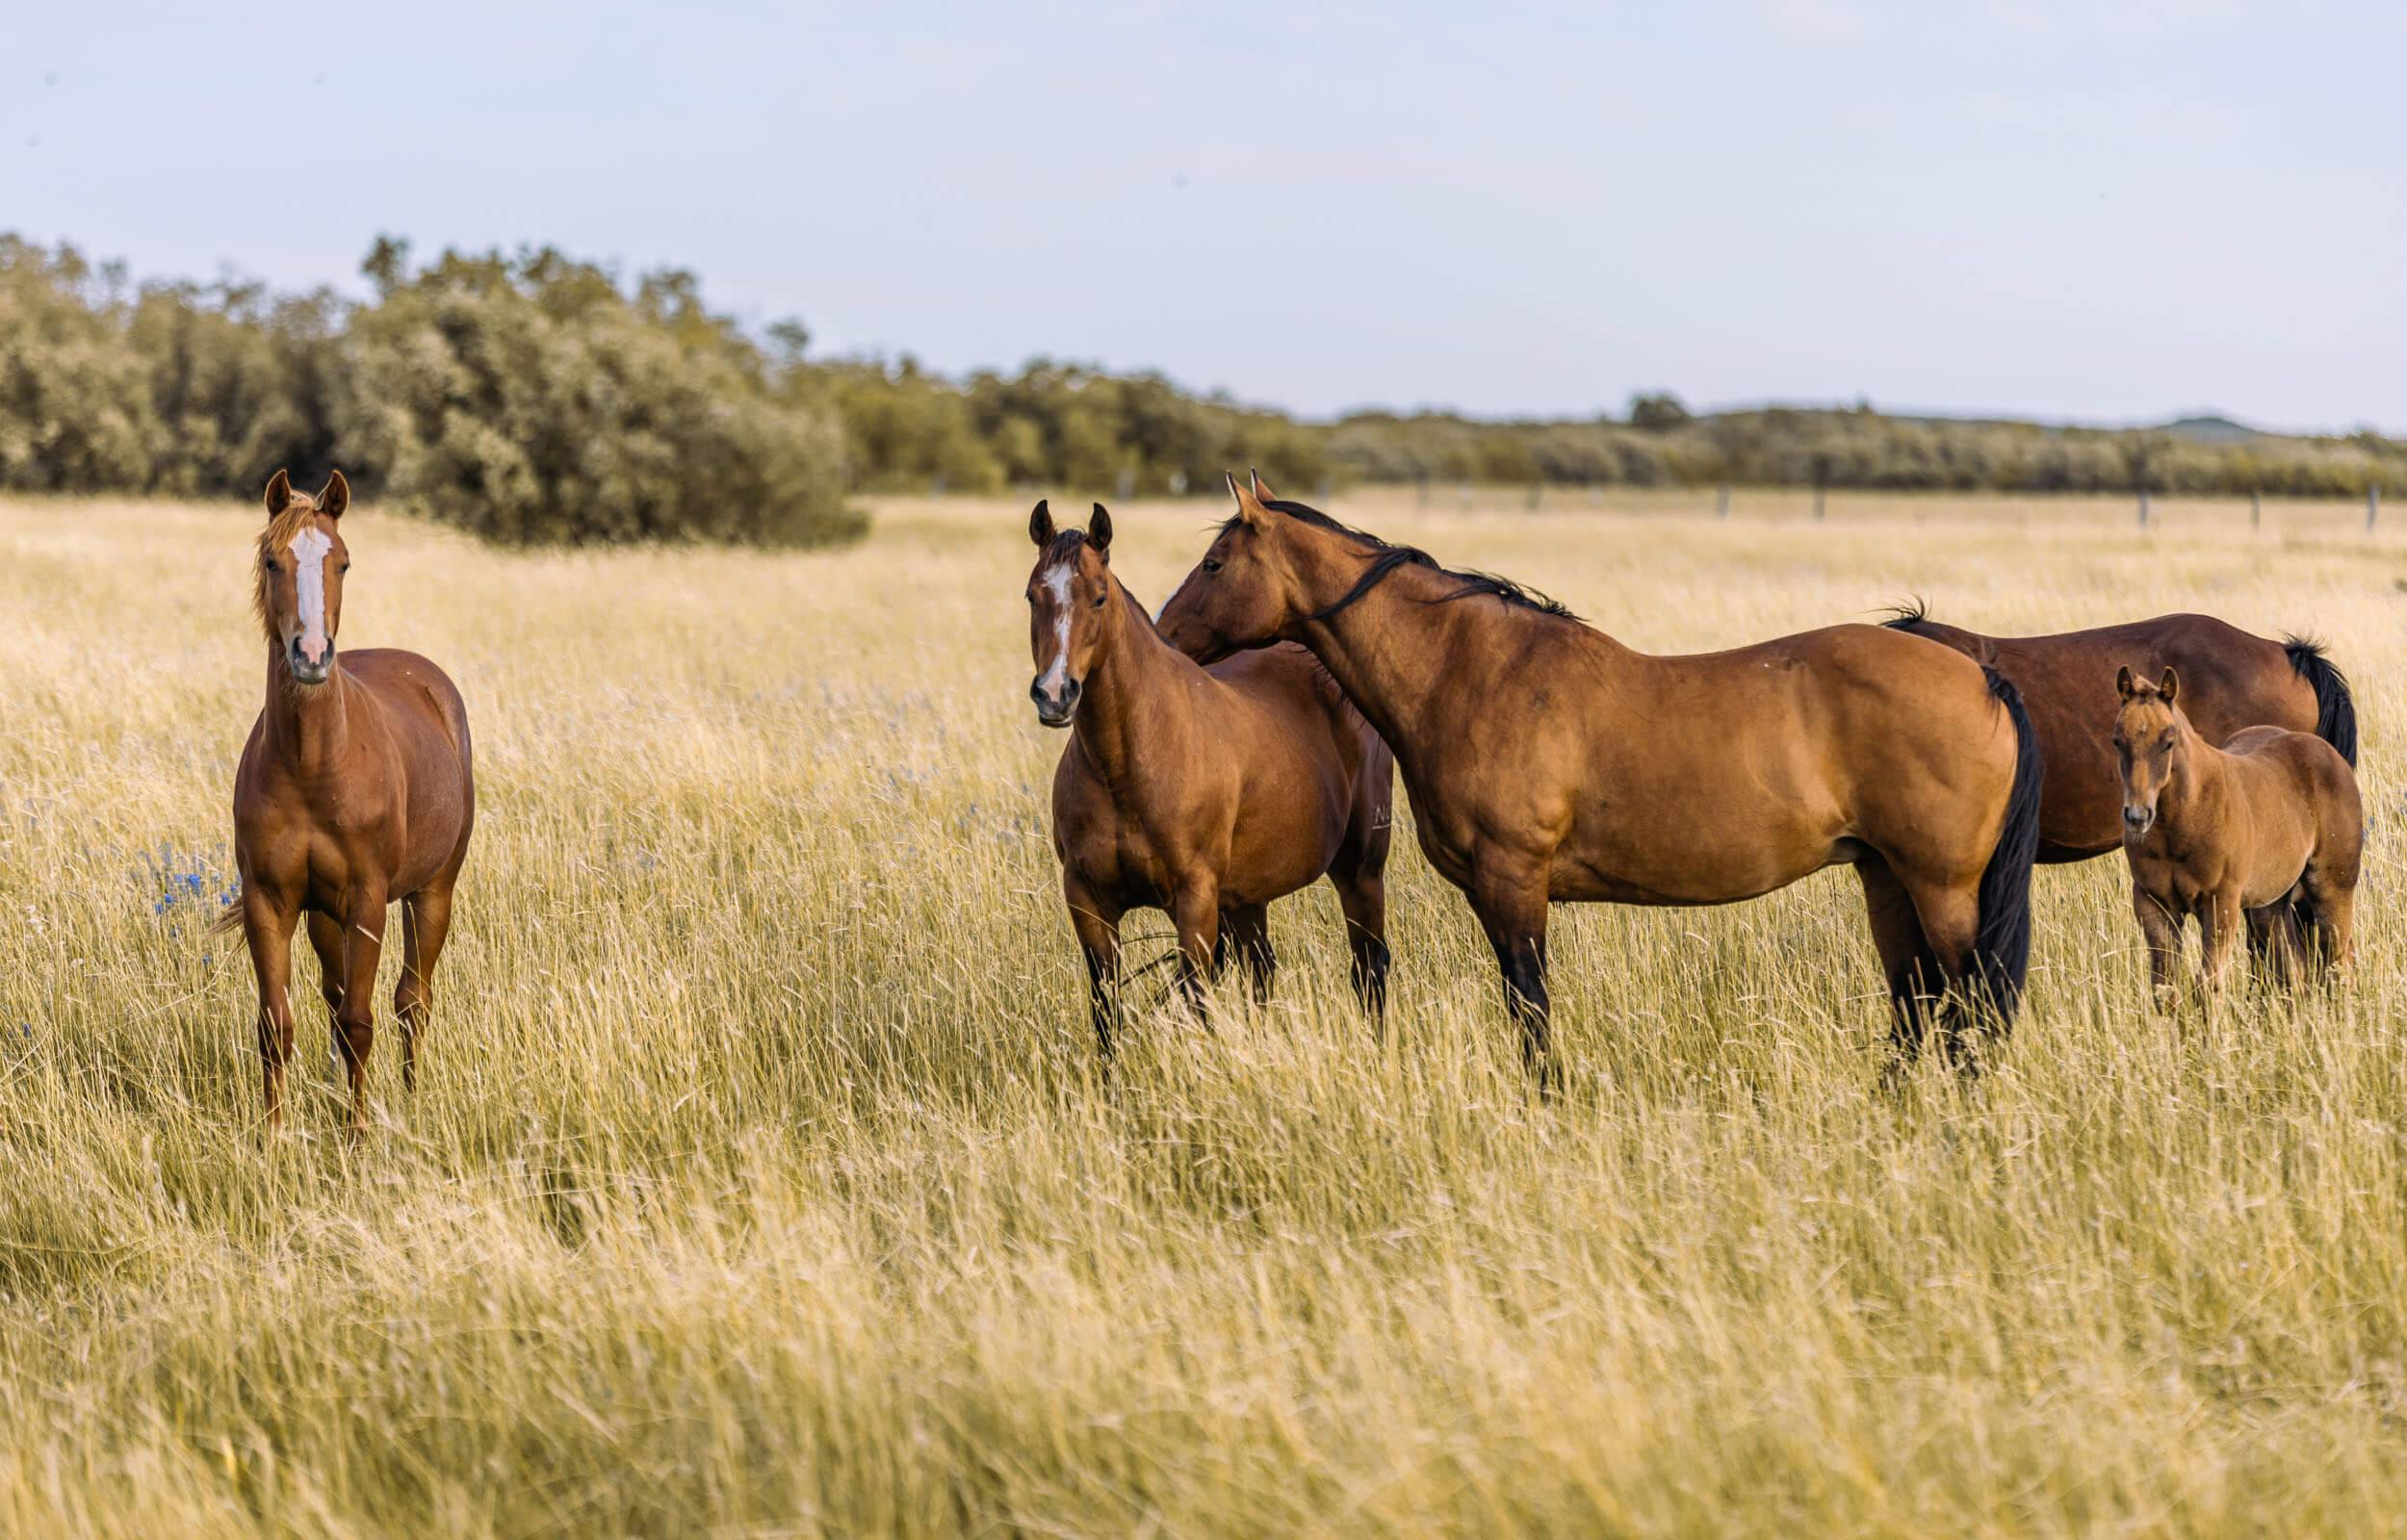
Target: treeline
{"x": 530, "y": 398}
{"x": 538, "y": 399}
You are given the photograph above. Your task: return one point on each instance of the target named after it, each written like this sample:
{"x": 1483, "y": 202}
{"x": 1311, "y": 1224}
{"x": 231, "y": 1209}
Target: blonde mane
{"x": 281, "y": 532}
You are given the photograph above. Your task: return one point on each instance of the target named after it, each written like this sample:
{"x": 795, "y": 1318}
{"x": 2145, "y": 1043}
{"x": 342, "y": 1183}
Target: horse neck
{"x": 1404, "y": 648}
{"x": 310, "y": 729}
{"x": 2198, "y": 780}
{"x": 1129, "y": 684}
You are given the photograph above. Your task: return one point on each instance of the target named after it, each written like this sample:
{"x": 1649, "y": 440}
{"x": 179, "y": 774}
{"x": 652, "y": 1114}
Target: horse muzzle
{"x": 2138, "y": 821}
{"x": 305, "y": 670}
{"x": 1055, "y": 708}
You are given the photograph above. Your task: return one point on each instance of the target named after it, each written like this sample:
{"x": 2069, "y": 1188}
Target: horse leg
{"x": 2273, "y": 941}
{"x": 1511, "y": 909}
{"x": 1247, "y": 932}
{"x": 1195, "y": 912}
{"x": 2163, "y": 929}
{"x": 326, "y": 940}
{"x": 425, "y": 921}
{"x": 2335, "y": 910}
{"x": 268, "y": 931}
{"x": 1913, "y": 974}
{"x": 1097, "y": 929}
{"x": 355, "y": 1017}
{"x": 2220, "y": 924}
{"x": 1362, "y": 896}
{"x": 1950, "y": 918}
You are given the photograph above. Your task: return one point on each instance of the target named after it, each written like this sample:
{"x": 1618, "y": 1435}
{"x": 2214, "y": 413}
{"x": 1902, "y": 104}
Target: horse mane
{"x": 1387, "y": 557}
{"x": 1905, "y": 617}
{"x": 280, "y": 533}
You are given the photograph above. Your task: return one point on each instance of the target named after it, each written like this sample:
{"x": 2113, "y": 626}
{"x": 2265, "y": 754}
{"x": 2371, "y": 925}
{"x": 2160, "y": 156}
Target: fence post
{"x": 1537, "y": 490}
{"x": 1721, "y": 502}
{"x": 2143, "y": 508}
{"x": 2256, "y": 510}
{"x": 1467, "y": 494}
{"x": 2373, "y": 505}
{"x": 1127, "y": 483}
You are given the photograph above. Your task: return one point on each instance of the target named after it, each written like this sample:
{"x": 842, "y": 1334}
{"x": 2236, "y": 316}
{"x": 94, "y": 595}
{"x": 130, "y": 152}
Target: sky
{"x": 2117, "y": 211}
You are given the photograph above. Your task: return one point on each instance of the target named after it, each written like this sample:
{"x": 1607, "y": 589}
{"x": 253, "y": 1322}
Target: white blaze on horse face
{"x": 1057, "y": 670}
{"x": 310, "y": 550}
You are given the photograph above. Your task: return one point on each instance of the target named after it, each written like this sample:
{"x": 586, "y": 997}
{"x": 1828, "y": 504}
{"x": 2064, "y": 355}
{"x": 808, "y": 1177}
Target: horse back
{"x": 2294, "y": 774}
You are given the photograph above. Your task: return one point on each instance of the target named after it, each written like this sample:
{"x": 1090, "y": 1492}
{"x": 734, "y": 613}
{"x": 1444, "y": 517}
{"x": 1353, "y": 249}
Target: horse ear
{"x": 1249, "y": 506}
{"x": 1261, "y": 488}
{"x": 336, "y": 496}
{"x": 279, "y": 493}
{"x": 2123, "y": 683}
{"x": 1099, "y": 532}
{"x": 1041, "y": 524}
{"x": 2169, "y": 687}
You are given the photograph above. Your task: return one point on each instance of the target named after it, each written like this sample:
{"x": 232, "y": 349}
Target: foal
{"x": 2231, "y": 680}
{"x": 2272, "y": 815}
{"x": 1204, "y": 792}
{"x": 354, "y": 790}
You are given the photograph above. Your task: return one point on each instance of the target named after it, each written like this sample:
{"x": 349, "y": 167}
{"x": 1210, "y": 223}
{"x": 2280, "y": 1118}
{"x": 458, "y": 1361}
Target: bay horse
{"x": 1204, "y": 792}
{"x": 354, "y": 791}
{"x": 2268, "y": 824}
{"x": 2230, "y": 680}
{"x": 1547, "y": 762}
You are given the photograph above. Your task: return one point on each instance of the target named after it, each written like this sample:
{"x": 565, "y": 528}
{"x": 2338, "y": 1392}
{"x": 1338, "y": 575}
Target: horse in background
{"x": 1204, "y": 792}
{"x": 2230, "y": 680}
{"x": 1547, "y": 762}
{"x": 353, "y": 791}
{"x": 2267, "y": 826}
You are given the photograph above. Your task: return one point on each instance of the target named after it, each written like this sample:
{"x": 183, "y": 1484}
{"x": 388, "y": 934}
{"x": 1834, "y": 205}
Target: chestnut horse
{"x": 1549, "y": 762}
{"x": 2231, "y": 680}
{"x": 1206, "y": 793}
{"x": 354, "y": 791}
{"x": 2267, "y": 826}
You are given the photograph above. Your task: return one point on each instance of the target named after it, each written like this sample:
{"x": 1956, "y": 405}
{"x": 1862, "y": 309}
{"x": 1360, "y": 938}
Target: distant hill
{"x": 2211, "y": 430}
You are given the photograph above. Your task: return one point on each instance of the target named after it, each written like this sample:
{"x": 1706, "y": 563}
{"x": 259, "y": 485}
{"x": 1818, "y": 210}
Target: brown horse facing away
{"x": 2230, "y": 680}
{"x": 1549, "y": 762}
{"x": 2267, "y": 826}
{"x": 354, "y": 791}
{"x": 1206, "y": 793}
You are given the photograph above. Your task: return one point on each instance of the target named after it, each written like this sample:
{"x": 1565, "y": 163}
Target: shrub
{"x": 531, "y": 400}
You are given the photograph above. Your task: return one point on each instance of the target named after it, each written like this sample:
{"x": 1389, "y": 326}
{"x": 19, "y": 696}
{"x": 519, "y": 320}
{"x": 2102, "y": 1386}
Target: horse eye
{"x": 1098, "y": 599}
{"x": 345, "y": 567}
{"x": 270, "y": 563}
{"x": 1210, "y": 565}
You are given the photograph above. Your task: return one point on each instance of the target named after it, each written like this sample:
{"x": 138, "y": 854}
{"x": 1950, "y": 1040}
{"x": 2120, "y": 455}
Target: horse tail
{"x": 2336, "y": 709}
{"x": 229, "y": 921}
{"x": 2001, "y": 939}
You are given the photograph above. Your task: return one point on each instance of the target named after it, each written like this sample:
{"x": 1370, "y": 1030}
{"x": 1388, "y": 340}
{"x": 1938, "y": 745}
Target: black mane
{"x": 1905, "y": 617}
{"x": 1388, "y": 557}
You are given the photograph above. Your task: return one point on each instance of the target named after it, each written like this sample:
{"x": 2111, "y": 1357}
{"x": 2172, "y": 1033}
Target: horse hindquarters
{"x": 1975, "y": 930}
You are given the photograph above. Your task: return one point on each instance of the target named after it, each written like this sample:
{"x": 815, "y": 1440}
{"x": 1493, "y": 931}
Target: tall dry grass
{"x": 761, "y": 1179}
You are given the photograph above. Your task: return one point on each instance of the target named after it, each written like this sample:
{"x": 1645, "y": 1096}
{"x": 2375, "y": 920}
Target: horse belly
{"x": 1718, "y": 870}
{"x": 1705, "y": 837}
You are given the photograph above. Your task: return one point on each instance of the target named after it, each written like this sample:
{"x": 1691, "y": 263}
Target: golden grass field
{"x": 761, "y": 1179}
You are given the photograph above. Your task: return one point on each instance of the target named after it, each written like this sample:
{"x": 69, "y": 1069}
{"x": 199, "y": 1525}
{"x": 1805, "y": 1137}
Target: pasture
{"x": 760, "y": 1177}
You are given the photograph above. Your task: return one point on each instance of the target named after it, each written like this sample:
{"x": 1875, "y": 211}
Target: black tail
{"x": 2336, "y": 709}
{"x": 2001, "y": 942}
